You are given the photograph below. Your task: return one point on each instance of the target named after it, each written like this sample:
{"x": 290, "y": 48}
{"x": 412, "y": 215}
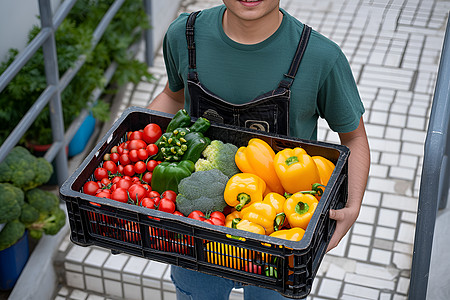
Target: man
{"x": 251, "y": 64}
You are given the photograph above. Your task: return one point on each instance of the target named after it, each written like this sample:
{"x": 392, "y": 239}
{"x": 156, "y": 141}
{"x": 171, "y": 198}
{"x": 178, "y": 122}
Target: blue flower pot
{"x": 81, "y": 138}
{"x": 12, "y": 262}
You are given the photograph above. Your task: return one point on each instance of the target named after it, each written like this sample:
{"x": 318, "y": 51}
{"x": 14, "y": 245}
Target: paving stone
{"x": 330, "y": 288}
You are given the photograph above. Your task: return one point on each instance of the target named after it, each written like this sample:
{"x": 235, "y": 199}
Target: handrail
{"x": 434, "y": 180}
{"x": 55, "y": 85}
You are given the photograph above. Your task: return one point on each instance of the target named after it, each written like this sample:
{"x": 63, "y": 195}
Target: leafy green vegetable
{"x": 192, "y": 194}
{"x": 219, "y": 155}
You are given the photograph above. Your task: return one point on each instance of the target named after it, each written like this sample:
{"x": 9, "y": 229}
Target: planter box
{"x": 285, "y": 266}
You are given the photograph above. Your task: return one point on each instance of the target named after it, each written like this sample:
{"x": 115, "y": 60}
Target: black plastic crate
{"x": 285, "y": 266}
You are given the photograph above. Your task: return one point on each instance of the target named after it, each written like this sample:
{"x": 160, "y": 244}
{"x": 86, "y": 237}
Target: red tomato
{"x": 114, "y": 157}
{"x": 152, "y": 149}
{"x": 114, "y": 149}
{"x": 137, "y": 192}
{"x": 120, "y": 194}
{"x": 128, "y": 170}
{"x": 152, "y": 132}
{"x": 197, "y": 215}
{"x": 133, "y": 155}
{"x": 110, "y": 166}
{"x": 135, "y": 179}
{"x": 217, "y": 215}
{"x": 142, "y": 154}
{"x": 90, "y": 187}
{"x": 147, "y": 177}
{"x": 115, "y": 179}
{"x": 140, "y": 167}
{"x": 166, "y": 206}
{"x": 147, "y": 202}
{"x": 154, "y": 194}
{"x": 120, "y": 169}
{"x": 177, "y": 213}
{"x": 137, "y": 144}
{"x": 151, "y": 164}
{"x": 172, "y": 196}
{"x": 127, "y": 177}
{"x": 124, "y": 159}
{"x": 147, "y": 187}
{"x": 105, "y": 182}
{"x": 124, "y": 183}
{"x": 100, "y": 173}
{"x": 136, "y": 135}
{"x": 104, "y": 194}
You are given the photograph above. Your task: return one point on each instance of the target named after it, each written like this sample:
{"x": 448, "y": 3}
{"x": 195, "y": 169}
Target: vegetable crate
{"x": 281, "y": 265}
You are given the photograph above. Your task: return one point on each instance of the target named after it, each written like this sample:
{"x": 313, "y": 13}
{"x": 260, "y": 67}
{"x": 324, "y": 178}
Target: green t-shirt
{"x": 324, "y": 85}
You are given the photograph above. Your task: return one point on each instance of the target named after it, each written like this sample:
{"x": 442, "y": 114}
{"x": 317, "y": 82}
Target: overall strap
{"x": 301, "y": 48}
{"x": 190, "y": 39}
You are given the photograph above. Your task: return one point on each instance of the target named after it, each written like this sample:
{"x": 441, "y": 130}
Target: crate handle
{"x": 95, "y": 204}
{"x": 239, "y": 238}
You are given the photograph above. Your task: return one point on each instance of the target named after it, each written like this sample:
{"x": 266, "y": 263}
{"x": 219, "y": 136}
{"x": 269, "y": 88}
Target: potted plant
{"x": 74, "y": 38}
{"x": 25, "y": 209}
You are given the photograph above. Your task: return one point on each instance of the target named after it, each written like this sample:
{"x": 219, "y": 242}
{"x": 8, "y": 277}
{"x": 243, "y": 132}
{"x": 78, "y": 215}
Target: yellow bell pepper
{"x": 296, "y": 170}
{"x": 294, "y": 234}
{"x": 230, "y": 217}
{"x": 325, "y": 168}
{"x": 299, "y": 208}
{"x": 247, "y": 225}
{"x": 243, "y": 189}
{"x": 262, "y": 214}
{"x": 276, "y": 200}
{"x": 257, "y": 158}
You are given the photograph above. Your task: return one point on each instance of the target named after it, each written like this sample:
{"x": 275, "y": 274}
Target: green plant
{"x": 74, "y": 38}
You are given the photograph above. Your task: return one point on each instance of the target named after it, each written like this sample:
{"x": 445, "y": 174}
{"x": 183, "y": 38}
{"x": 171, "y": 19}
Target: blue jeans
{"x": 193, "y": 285}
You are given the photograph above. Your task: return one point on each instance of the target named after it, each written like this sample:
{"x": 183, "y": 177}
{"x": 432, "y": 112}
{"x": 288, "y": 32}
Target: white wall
{"x": 18, "y": 16}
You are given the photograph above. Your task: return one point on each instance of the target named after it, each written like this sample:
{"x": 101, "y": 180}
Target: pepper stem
{"x": 243, "y": 199}
{"x": 279, "y": 221}
{"x": 235, "y": 222}
{"x": 291, "y": 160}
{"x": 301, "y": 208}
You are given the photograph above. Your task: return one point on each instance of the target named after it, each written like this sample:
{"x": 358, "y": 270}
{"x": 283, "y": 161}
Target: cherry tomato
{"x": 114, "y": 149}
{"x": 105, "y": 182}
{"x": 115, "y": 179}
{"x": 124, "y": 183}
{"x": 154, "y": 194}
{"x": 133, "y": 155}
{"x": 124, "y": 159}
{"x": 171, "y": 195}
{"x": 100, "y": 173}
{"x": 137, "y": 192}
{"x": 128, "y": 170}
{"x": 110, "y": 166}
{"x": 147, "y": 202}
{"x": 140, "y": 167}
{"x": 137, "y": 144}
{"x": 136, "y": 135}
{"x": 152, "y": 132}
{"x": 152, "y": 149}
{"x": 147, "y": 187}
{"x": 127, "y": 177}
{"x": 166, "y": 206}
{"x": 114, "y": 156}
{"x": 104, "y": 194}
{"x": 120, "y": 194}
{"x": 197, "y": 215}
{"x": 151, "y": 164}
{"x": 177, "y": 213}
{"x": 147, "y": 177}
{"x": 106, "y": 157}
{"x": 142, "y": 154}
{"x": 90, "y": 187}
{"x": 217, "y": 215}
{"x": 120, "y": 169}
{"x": 135, "y": 179}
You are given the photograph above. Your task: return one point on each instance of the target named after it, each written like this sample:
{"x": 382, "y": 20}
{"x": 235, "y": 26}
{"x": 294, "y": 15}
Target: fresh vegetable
{"x": 325, "y": 168}
{"x": 167, "y": 175}
{"x": 196, "y": 143}
{"x": 243, "y": 189}
{"x": 151, "y": 133}
{"x": 218, "y": 155}
{"x": 294, "y": 234}
{"x": 231, "y": 216}
{"x": 262, "y": 214}
{"x": 24, "y": 170}
{"x": 11, "y": 233}
{"x": 247, "y": 225}
{"x": 299, "y": 208}
{"x": 43, "y": 201}
{"x": 214, "y": 218}
{"x": 203, "y": 190}
{"x": 296, "y": 170}
{"x": 11, "y": 200}
{"x": 276, "y": 200}
{"x": 257, "y": 158}
{"x": 180, "y": 119}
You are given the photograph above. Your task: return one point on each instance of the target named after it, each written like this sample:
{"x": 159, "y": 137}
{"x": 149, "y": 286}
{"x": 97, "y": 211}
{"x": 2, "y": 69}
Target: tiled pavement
{"x": 394, "y": 49}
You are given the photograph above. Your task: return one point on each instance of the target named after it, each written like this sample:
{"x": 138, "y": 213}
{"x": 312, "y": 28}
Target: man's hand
{"x": 168, "y": 101}
{"x": 358, "y": 172}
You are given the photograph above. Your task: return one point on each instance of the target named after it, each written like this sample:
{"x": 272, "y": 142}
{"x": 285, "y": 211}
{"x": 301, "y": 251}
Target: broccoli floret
{"x": 218, "y": 155}
{"x": 24, "y": 170}
{"x": 11, "y": 233}
{"x": 29, "y": 214}
{"x": 43, "y": 201}
{"x": 48, "y": 223}
{"x": 11, "y": 200}
{"x": 203, "y": 191}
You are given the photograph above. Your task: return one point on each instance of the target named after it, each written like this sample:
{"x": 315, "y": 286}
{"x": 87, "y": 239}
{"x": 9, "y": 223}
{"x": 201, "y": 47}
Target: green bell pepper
{"x": 167, "y": 175}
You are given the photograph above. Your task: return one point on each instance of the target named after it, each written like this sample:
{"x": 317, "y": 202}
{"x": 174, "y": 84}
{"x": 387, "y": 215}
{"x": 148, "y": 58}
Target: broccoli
{"x": 43, "y": 201}
{"x": 203, "y": 191}
{"x": 29, "y": 214}
{"x": 48, "y": 223}
{"x": 11, "y": 233}
{"x": 11, "y": 200}
{"x": 24, "y": 170}
{"x": 218, "y": 155}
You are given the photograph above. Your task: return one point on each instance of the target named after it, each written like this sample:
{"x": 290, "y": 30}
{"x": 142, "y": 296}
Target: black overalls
{"x": 267, "y": 112}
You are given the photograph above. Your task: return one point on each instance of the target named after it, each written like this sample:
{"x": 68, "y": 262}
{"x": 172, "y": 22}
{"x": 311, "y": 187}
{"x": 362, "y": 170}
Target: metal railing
{"x": 434, "y": 185}
{"x": 55, "y": 85}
